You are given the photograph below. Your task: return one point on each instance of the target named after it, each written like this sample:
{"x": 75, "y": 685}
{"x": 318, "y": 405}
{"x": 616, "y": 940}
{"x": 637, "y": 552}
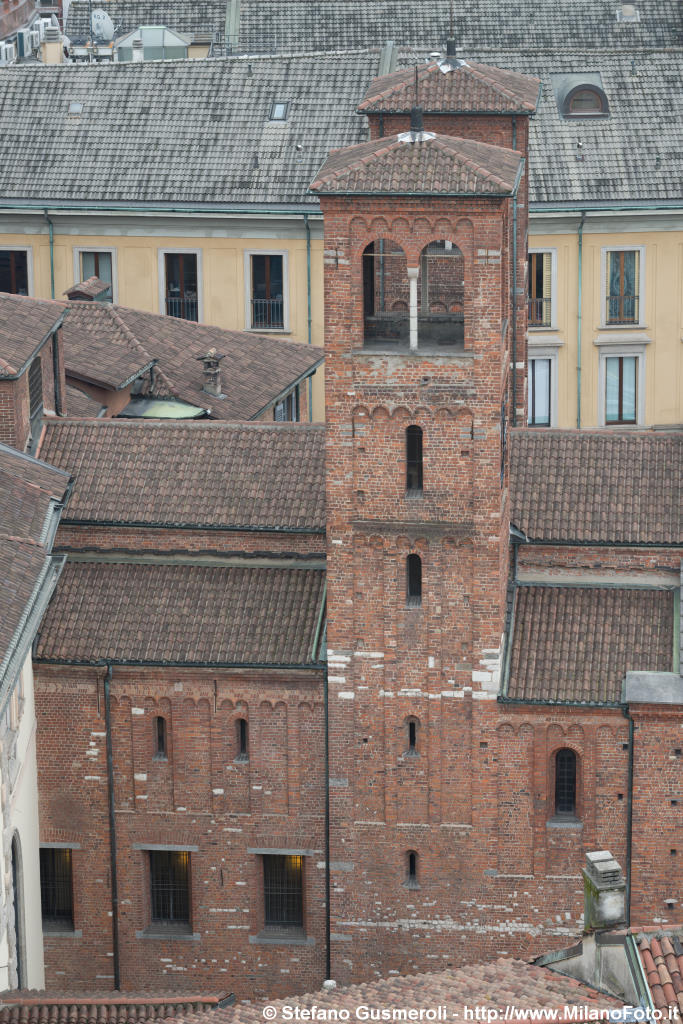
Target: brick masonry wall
{"x": 546, "y": 557}
{"x": 73, "y": 537}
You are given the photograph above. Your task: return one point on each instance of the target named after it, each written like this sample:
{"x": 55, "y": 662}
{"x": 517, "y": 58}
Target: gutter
{"x": 55, "y": 327}
{"x": 284, "y": 209}
{"x": 159, "y": 663}
{"x": 147, "y": 524}
{"x": 112, "y": 830}
{"x": 307, "y": 226}
{"x": 578, "y": 323}
{"x": 637, "y": 972}
{"x": 326, "y": 715}
{"x": 308, "y": 373}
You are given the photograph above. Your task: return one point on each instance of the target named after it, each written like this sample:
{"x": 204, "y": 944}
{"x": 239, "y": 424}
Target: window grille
{"x": 565, "y": 782}
{"x": 283, "y": 890}
{"x": 170, "y": 885}
{"x": 623, "y": 287}
{"x": 56, "y": 893}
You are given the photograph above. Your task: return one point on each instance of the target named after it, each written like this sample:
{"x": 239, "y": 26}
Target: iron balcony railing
{"x": 539, "y": 312}
{"x": 623, "y": 309}
{"x": 183, "y": 308}
{"x": 267, "y": 313}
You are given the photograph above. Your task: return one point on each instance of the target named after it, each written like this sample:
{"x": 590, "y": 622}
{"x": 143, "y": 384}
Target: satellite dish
{"x": 102, "y": 25}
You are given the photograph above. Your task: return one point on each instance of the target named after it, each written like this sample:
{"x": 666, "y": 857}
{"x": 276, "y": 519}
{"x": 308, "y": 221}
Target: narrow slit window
{"x": 413, "y": 581}
{"x": 414, "y": 459}
{"x": 242, "y": 739}
{"x": 565, "y": 782}
{"x": 411, "y": 865}
{"x": 412, "y": 736}
{"x": 160, "y": 736}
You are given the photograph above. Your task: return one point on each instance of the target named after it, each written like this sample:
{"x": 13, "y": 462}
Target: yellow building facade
{"x": 605, "y": 307}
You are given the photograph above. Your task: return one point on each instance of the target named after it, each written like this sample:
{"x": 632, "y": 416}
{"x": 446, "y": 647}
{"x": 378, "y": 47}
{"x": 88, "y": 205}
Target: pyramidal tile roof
{"x": 433, "y": 165}
{"x": 441, "y": 87}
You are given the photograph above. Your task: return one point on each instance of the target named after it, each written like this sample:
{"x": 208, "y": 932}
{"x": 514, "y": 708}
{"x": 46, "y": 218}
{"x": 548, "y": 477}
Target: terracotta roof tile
{"x": 182, "y": 614}
{"x": 494, "y": 985}
{"x": 81, "y": 405}
{"x": 577, "y": 643}
{"x": 468, "y": 88}
{"x": 252, "y": 476}
{"x": 603, "y": 486}
{"x": 92, "y": 287}
{"x": 439, "y": 165}
{"x": 661, "y": 955}
{"x": 29, "y": 1007}
{"x": 24, "y": 324}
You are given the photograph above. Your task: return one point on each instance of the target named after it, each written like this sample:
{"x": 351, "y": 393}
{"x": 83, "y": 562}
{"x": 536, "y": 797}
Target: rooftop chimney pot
{"x": 212, "y": 373}
{"x": 604, "y": 891}
{"x": 450, "y": 47}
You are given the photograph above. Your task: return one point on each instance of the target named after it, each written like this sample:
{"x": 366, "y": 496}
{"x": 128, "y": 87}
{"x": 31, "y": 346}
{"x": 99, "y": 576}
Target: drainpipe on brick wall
{"x": 310, "y": 330}
{"x": 578, "y": 323}
{"x": 629, "y": 814}
{"x": 51, "y": 235}
{"x": 328, "y": 911}
{"x": 112, "y": 830}
{"x": 514, "y": 288}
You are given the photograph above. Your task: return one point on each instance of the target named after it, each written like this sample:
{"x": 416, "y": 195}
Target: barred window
{"x": 283, "y": 890}
{"x": 565, "y": 782}
{"x": 170, "y": 886}
{"x": 56, "y": 889}
{"x": 414, "y": 458}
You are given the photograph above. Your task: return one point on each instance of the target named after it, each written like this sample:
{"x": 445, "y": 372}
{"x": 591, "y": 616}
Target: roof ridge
{"x": 134, "y": 341}
{"x": 492, "y": 84}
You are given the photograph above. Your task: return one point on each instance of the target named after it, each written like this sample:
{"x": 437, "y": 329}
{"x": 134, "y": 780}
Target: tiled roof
{"x": 81, "y": 405}
{"x": 598, "y": 487}
{"x": 469, "y": 87}
{"x": 662, "y": 958}
{"x": 256, "y": 369}
{"x": 91, "y": 288}
{"x": 182, "y": 614}
{"x": 158, "y": 140}
{"x": 496, "y": 985}
{"x": 173, "y": 132}
{"x": 38, "y": 1007}
{"x": 199, "y": 474}
{"x": 24, "y": 323}
{"x": 201, "y": 17}
{"x": 440, "y": 165}
{"x": 288, "y": 25}
{"x": 577, "y": 643}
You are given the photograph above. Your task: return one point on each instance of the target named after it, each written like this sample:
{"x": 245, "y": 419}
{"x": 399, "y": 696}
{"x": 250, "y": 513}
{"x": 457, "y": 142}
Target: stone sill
{"x": 432, "y": 351}
{"x": 570, "y": 823}
{"x": 282, "y": 937}
{"x": 185, "y": 935}
{"x": 62, "y": 933}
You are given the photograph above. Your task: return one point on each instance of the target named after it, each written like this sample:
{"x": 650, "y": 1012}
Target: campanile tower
{"x": 422, "y": 228}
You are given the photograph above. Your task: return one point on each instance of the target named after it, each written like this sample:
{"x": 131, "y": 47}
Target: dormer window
{"x": 586, "y": 101}
{"x": 278, "y": 111}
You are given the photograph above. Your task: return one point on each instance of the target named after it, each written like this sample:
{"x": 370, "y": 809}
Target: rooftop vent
{"x": 628, "y": 13}
{"x": 604, "y": 891}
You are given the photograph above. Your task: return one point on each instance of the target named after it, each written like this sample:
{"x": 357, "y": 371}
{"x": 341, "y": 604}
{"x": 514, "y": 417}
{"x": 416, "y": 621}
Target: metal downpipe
{"x": 112, "y": 830}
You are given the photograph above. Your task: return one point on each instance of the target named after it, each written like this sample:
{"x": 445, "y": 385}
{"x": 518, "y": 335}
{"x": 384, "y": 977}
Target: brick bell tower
{"x": 422, "y": 227}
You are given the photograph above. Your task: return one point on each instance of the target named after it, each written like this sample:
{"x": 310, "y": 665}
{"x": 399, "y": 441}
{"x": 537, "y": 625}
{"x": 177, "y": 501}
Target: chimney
{"x": 604, "y": 892}
{"x": 416, "y": 121}
{"x": 138, "y": 50}
{"x": 51, "y": 49}
{"x": 212, "y": 373}
{"x": 450, "y": 47}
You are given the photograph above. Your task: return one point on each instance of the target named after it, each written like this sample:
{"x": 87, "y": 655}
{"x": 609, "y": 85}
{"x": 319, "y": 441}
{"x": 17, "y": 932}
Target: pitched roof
{"x": 597, "y": 487}
{"x": 198, "y": 474}
{"x": 478, "y": 25}
{"x": 28, "y": 489}
{"x": 662, "y": 958}
{"x": 91, "y": 288}
{"x": 24, "y": 325}
{"x": 79, "y": 404}
{"x": 192, "y": 615}
{"x": 468, "y": 88}
{"x": 577, "y": 643}
{"x": 202, "y": 17}
{"x": 110, "y": 346}
{"x": 491, "y": 986}
{"x": 38, "y": 1007}
{"x": 438, "y": 165}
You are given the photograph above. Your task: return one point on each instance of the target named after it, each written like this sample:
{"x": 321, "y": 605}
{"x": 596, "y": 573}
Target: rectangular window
{"x": 181, "y": 285}
{"x": 267, "y": 291}
{"x": 540, "y": 371}
{"x": 169, "y": 872}
{"x": 283, "y": 890}
{"x": 621, "y": 389}
{"x": 14, "y": 271}
{"x": 287, "y": 411}
{"x": 56, "y": 890}
{"x": 98, "y": 264}
{"x": 623, "y": 287}
{"x": 540, "y": 289}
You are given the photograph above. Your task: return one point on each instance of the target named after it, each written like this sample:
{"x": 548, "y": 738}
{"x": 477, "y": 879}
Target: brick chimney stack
{"x": 604, "y": 891}
{"x": 212, "y": 373}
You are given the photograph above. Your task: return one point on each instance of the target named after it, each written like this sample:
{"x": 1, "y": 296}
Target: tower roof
{"x": 452, "y": 86}
{"x": 420, "y": 164}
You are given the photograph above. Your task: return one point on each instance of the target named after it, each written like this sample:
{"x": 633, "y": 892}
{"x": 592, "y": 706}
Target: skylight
{"x": 278, "y": 111}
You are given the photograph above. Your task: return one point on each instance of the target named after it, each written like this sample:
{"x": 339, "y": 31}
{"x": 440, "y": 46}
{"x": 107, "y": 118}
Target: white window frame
{"x": 640, "y": 323}
{"x": 161, "y": 264}
{"x": 547, "y": 351}
{"x": 28, "y": 249}
{"x": 610, "y": 348}
{"x": 248, "y": 253}
{"x": 80, "y": 249}
{"x": 553, "y": 287}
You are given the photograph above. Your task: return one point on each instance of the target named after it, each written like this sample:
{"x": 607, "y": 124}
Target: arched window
{"x": 585, "y": 101}
{"x": 386, "y": 295}
{"x": 413, "y": 581}
{"x": 441, "y": 295}
{"x": 414, "y": 459}
{"x": 412, "y": 725}
{"x": 242, "y": 739}
{"x": 411, "y": 870}
{"x": 160, "y": 737}
{"x": 565, "y": 782}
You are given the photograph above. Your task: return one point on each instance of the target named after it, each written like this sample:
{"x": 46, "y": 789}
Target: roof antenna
{"x": 451, "y": 32}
